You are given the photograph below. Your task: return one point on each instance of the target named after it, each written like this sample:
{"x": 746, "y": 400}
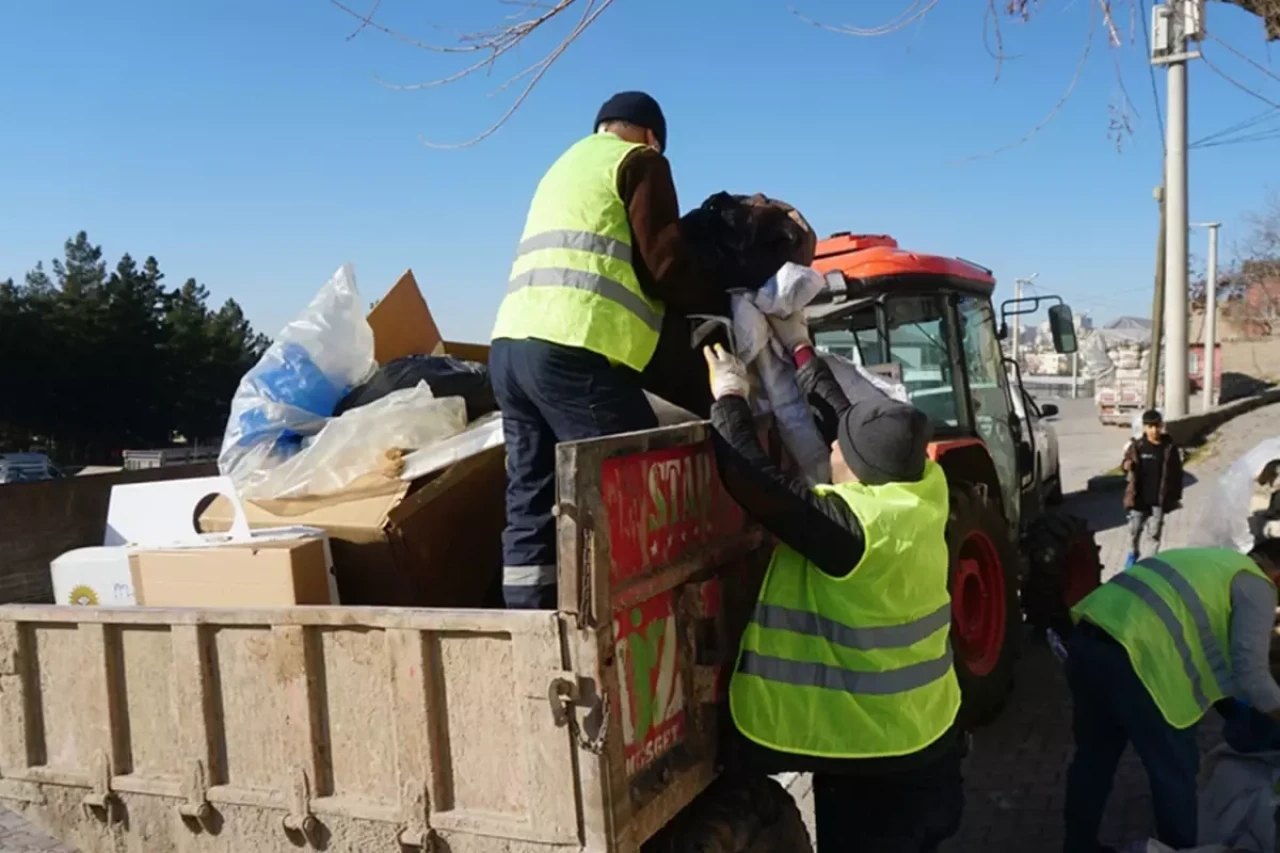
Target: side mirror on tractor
{"x": 1063, "y": 328}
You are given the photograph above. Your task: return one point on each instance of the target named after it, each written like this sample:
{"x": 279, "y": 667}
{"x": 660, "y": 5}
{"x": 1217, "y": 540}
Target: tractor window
{"x": 918, "y": 342}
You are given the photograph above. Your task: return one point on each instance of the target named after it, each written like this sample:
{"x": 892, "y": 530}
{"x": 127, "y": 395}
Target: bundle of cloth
{"x": 740, "y": 241}
{"x": 757, "y": 315}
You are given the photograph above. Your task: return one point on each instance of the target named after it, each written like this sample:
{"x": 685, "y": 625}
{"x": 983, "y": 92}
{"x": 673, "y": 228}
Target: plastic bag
{"x": 445, "y": 375}
{"x": 1236, "y": 516}
{"x": 1237, "y": 801}
{"x": 296, "y": 385}
{"x": 847, "y": 373}
{"x": 368, "y": 443}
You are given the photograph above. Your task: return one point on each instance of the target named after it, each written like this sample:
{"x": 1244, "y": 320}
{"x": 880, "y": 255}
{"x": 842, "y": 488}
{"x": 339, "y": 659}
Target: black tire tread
{"x": 747, "y": 813}
{"x": 1048, "y": 544}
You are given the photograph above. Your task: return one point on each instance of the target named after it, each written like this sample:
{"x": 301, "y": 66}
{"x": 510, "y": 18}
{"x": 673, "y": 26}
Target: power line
{"x": 1151, "y": 70}
{"x": 1234, "y": 82}
{"x": 1260, "y": 118}
{"x": 1249, "y": 59}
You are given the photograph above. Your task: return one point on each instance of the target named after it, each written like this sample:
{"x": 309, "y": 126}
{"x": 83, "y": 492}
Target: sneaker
{"x": 1130, "y": 560}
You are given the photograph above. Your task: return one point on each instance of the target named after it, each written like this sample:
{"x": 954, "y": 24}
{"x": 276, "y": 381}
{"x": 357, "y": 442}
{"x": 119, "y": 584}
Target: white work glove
{"x": 728, "y": 373}
{"x": 790, "y": 331}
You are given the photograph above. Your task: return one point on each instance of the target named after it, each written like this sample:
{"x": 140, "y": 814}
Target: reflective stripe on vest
{"x": 859, "y": 666}
{"x": 1177, "y": 643}
{"x": 573, "y": 282}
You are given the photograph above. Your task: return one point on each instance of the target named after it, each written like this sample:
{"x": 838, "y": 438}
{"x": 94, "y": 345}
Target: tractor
{"x": 928, "y": 323}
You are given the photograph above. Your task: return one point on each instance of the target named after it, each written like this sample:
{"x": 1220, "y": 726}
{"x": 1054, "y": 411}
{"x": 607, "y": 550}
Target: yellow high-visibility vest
{"x": 573, "y": 282}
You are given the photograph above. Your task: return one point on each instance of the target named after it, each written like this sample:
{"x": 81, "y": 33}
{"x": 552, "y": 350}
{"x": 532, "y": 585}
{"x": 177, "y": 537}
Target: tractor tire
{"x": 1054, "y": 496}
{"x": 745, "y": 813}
{"x": 1063, "y": 567}
{"x": 986, "y": 621}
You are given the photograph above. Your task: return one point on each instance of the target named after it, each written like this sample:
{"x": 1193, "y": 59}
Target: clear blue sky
{"x": 248, "y": 144}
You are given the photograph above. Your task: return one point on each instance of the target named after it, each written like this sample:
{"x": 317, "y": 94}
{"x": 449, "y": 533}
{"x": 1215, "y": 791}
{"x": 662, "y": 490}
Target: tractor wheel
{"x": 984, "y": 603}
{"x": 744, "y": 813}
{"x": 1063, "y": 568}
{"x": 1054, "y": 496}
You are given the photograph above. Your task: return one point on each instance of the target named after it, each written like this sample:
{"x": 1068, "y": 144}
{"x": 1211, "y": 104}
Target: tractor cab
{"x": 927, "y": 322}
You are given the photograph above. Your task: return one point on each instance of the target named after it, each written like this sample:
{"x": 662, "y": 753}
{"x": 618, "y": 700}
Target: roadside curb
{"x": 1188, "y": 430}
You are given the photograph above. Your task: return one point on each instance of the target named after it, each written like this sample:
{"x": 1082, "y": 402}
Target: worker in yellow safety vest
{"x": 845, "y": 669}
{"x": 1153, "y": 649}
{"x": 599, "y": 263}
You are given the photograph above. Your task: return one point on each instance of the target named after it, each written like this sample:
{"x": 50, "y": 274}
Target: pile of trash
{"x": 318, "y": 416}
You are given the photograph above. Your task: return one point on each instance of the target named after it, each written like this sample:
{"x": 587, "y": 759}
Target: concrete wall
{"x": 1259, "y": 359}
{"x": 39, "y": 521}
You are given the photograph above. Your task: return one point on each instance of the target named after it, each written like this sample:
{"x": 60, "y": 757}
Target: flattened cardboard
{"x": 435, "y": 543}
{"x": 402, "y": 323}
{"x": 273, "y": 574}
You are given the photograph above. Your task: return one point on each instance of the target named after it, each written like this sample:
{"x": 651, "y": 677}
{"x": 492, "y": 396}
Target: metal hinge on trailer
{"x": 196, "y": 791}
{"x": 301, "y": 820}
{"x": 417, "y": 833}
{"x": 565, "y": 696}
{"x": 101, "y": 802}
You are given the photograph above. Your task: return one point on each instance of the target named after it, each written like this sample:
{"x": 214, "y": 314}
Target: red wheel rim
{"x": 978, "y": 604}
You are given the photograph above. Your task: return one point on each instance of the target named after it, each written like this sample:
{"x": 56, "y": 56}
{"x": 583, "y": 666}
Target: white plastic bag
{"x": 365, "y": 442}
{"x": 1237, "y": 801}
{"x": 847, "y": 373}
{"x": 293, "y": 389}
{"x": 1227, "y": 519}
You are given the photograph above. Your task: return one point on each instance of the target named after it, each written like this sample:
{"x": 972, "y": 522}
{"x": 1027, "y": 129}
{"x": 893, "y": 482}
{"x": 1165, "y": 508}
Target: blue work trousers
{"x": 1111, "y": 709}
{"x": 550, "y": 393}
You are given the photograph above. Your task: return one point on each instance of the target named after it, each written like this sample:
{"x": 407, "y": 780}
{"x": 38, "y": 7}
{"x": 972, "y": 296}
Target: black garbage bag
{"x": 745, "y": 239}
{"x": 445, "y": 375}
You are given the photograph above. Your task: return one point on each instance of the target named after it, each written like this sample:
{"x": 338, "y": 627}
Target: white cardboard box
{"x": 149, "y": 516}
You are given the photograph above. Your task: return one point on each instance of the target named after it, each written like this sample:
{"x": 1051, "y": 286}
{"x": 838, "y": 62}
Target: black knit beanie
{"x": 637, "y": 108}
{"x": 884, "y": 441}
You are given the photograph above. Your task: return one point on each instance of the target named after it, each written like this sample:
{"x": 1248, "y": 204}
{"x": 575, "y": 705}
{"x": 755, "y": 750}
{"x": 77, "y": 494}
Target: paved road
{"x": 1015, "y": 777}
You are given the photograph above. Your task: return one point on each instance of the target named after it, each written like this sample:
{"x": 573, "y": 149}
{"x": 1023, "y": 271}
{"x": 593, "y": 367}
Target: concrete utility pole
{"x": 1017, "y": 320}
{"x": 1157, "y": 308}
{"x": 1210, "y": 313}
{"x": 1176, "y": 24}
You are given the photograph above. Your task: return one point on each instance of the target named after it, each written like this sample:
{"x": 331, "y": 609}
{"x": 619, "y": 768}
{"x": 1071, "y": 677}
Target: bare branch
{"x": 491, "y": 45}
{"x": 1057, "y": 108}
{"x": 917, "y": 10}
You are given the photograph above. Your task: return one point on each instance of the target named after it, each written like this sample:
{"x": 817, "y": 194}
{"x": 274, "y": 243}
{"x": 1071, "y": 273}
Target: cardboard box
{"x": 237, "y": 574}
{"x": 160, "y": 516}
{"x": 434, "y": 542}
{"x": 97, "y": 576}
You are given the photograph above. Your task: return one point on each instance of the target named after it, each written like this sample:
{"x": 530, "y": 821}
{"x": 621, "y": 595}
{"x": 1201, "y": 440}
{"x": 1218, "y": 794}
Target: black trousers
{"x": 910, "y": 812}
{"x": 550, "y": 393}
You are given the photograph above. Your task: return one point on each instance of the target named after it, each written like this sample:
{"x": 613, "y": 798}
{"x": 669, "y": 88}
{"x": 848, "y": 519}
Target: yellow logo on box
{"x": 83, "y": 596}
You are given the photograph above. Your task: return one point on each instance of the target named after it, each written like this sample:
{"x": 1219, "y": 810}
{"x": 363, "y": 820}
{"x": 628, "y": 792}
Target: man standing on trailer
{"x": 600, "y": 261}
{"x": 846, "y": 670}
{"x": 1154, "y": 648}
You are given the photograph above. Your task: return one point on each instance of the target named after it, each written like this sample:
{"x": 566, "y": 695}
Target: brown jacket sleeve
{"x": 665, "y": 264}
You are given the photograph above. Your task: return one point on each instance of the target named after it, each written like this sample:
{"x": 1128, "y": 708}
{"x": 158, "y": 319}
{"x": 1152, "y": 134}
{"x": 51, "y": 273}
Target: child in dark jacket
{"x": 1153, "y": 466}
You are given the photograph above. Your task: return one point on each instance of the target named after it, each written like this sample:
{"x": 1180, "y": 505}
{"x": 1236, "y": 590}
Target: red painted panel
{"x": 662, "y": 504}
{"x": 646, "y": 640}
